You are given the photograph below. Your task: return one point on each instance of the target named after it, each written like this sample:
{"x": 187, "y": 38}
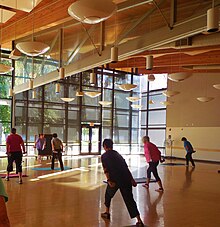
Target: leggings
{"x": 153, "y": 169}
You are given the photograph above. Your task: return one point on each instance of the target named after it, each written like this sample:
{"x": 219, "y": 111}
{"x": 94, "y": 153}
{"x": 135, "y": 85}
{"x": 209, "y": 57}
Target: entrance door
{"x": 90, "y": 139}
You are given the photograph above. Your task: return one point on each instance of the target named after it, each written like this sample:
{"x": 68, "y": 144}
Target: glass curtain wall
{"x": 153, "y": 115}
{"x": 47, "y": 113}
{"x": 5, "y": 103}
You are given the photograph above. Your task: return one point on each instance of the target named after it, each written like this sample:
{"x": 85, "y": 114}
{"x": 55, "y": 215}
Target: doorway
{"x": 90, "y": 139}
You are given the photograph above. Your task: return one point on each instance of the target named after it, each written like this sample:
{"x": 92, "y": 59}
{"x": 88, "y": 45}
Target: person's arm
{"x": 109, "y": 181}
{"x": 52, "y": 145}
{"x": 7, "y": 148}
{"x": 44, "y": 145}
{"x": 61, "y": 146}
{"x": 23, "y": 147}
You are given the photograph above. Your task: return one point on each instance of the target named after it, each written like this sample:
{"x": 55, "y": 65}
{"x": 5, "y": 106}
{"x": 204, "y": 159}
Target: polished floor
{"x": 75, "y": 197}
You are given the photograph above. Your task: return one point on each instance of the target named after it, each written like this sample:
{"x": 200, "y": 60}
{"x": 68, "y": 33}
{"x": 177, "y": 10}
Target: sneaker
{"x": 105, "y": 215}
{"x": 7, "y": 178}
{"x": 140, "y": 224}
{"x": 20, "y": 182}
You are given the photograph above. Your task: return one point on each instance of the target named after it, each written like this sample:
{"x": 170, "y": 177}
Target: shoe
{"x": 20, "y": 182}
{"x": 7, "y": 178}
{"x": 105, "y": 215}
{"x": 140, "y": 224}
{"x": 159, "y": 190}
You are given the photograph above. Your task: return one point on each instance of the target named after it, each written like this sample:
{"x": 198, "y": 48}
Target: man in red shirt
{"x": 153, "y": 156}
{"x": 14, "y": 147}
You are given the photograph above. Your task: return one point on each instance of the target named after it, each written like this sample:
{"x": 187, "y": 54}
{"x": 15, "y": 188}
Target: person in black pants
{"x": 57, "y": 148}
{"x": 189, "y": 151}
{"x": 118, "y": 177}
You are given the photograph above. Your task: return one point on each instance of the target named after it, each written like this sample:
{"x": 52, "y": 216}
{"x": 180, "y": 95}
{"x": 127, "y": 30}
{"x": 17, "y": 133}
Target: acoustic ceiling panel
{"x": 24, "y": 5}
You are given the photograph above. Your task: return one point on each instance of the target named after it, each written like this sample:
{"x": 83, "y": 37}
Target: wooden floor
{"x": 75, "y": 197}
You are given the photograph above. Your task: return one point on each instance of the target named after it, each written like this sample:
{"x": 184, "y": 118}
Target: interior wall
{"x": 198, "y": 122}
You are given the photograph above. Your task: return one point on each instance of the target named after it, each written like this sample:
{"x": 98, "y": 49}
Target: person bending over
{"x": 118, "y": 177}
{"x": 153, "y": 156}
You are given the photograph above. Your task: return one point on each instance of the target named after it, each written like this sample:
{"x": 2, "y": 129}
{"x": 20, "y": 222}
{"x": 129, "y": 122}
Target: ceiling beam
{"x": 151, "y": 40}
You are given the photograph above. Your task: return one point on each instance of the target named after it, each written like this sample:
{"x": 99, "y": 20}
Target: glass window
{"x": 157, "y": 118}
{"x": 159, "y": 82}
{"x": 90, "y": 114}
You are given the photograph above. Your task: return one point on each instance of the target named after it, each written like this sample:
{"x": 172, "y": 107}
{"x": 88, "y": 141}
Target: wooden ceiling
{"x": 134, "y": 19}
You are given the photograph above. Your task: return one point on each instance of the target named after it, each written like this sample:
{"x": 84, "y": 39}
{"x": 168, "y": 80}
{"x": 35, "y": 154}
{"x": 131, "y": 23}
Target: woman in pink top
{"x": 153, "y": 156}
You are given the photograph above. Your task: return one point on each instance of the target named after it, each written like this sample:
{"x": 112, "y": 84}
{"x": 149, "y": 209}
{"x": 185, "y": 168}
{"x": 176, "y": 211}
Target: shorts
{"x": 17, "y": 157}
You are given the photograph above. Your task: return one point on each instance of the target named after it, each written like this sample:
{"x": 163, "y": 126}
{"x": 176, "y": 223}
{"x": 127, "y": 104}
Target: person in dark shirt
{"x": 189, "y": 151}
{"x": 118, "y": 177}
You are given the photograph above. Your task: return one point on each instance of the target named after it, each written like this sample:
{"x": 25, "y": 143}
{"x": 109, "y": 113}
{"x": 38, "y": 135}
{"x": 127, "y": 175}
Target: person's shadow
{"x": 188, "y": 178}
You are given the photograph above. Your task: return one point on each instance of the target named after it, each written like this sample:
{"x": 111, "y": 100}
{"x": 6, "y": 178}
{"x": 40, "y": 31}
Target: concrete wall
{"x": 198, "y": 122}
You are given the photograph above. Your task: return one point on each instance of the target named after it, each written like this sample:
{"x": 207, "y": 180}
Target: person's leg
{"x": 60, "y": 160}
{"x": 130, "y": 203}
{"x": 187, "y": 159}
{"x": 39, "y": 154}
{"x": 18, "y": 162}
{"x": 149, "y": 170}
{"x": 191, "y": 159}
{"x": 109, "y": 194}
{"x": 10, "y": 165}
{"x": 157, "y": 178}
{"x": 52, "y": 161}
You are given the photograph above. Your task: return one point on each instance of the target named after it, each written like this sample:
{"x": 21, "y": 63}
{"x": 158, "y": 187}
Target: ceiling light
{"x": 92, "y": 78}
{"x": 136, "y": 106}
{"x": 31, "y": 84}
{"x": 149, "y": 62}
{"x": 32, "y": 48}
{"x": 213, "y": 19}
{"x": 105, "y": 103}
{"x": 133, "y": 99}
{"x": 177, "y": 77}
{"x": 93, "y": 94}
{"x": 114, "y": 54}
{"x": 127, "y": 87}
{"x": 61, "y": 73}
{"x": 79, "y": 93}
{"x": 217, "y": 86}
{"x": 57, "y": 88}
{"x": 5, "y": 68}
{"x": 205, "y": 99}
{"x": 67, "y": 99}
{"x": 15, "y": 54}
{"x": 167, "y": 103}
{"x": 34, "y": 94}
{"x": 92, "y": 12}
{"x": 151, "y": 77}
{"x": 170, "y": 93}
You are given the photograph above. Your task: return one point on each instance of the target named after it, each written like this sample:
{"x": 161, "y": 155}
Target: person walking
{"x": 189, "y": 151}
{"x": 118, "y": 177}
{"x": 40, "y": 145}
{"x": 4, "y": 221}
{"x": 57, "y": 149}
{"x": 14, "y": 147}
{"x": 153, "y": 156}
